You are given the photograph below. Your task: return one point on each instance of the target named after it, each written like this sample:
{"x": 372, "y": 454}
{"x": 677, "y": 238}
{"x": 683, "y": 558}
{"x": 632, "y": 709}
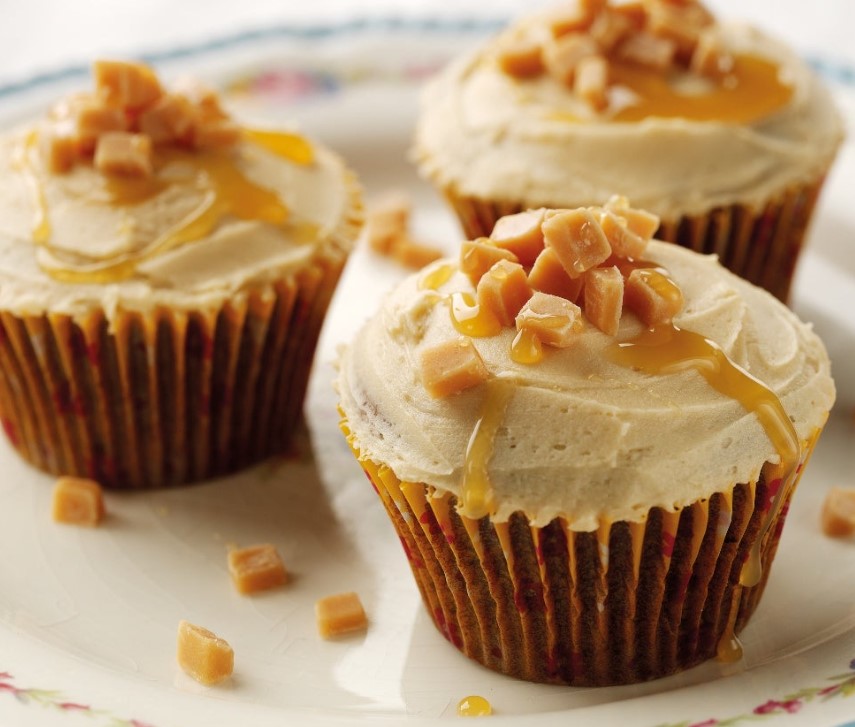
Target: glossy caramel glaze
{"x": 668, "y": 349}
{"x": 752, "y": 91}
{"x": 215, "y": 176}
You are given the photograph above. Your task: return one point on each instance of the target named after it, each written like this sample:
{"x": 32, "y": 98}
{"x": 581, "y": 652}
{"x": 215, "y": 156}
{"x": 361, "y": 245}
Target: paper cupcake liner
{"x": 163, "y": 397}
{"x": 761, "y": 245}
{"x": 156, "y": 397}
{"x": 628, "y": 602}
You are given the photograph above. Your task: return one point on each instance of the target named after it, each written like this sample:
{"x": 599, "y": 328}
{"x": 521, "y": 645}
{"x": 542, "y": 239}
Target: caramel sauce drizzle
{"x": 662, "y": 284}
{"x": 729, "y": 648}
{"x": 527, "y": 347}
{"x": 627, "y": 264}
{"x": 471, "y": 319}
{"x": 601, "y": 586}
{"x": 667, "y": 349}
{"x": 436, "y": 278}
{"x": 414, "y": 495}
{"x": 477, "y": 492}
{"x": 472, "y": 529}
{"x": 440, "y": 506}
{"x": 226, "y": 191}
{"x": 784, "y": 475}
{"x": 289, "y": 146}
{"x": 41, "y": 230}
{"x": 752, "y": 90}
{"x": 654, "y": 274}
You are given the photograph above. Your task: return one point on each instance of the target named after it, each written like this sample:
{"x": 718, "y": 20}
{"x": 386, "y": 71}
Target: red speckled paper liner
{"x": 761, "y": 245}
{"x": 163, "y": 397}
{"x": 625, "y": 603}
{"x": 157, "y": 397}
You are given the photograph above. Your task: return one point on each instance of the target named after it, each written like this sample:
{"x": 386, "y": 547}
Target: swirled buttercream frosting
{"x": 580, "y": 433}
{"x": 132, "y": 197}
{"x": 529, "y": 117}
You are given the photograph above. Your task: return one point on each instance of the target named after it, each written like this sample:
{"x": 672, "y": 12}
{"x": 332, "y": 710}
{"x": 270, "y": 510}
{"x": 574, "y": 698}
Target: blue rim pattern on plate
{"x": 834, "y": 70}
{"x": 321, "y": 31}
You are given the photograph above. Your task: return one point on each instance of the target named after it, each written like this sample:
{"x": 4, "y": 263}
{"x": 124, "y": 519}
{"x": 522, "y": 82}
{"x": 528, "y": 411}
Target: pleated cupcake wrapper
{"x": 163, "y": 397}
{"x": 761, "y": 245}
{"x": 628, "y": 602}
{"x": 167, "y": 396}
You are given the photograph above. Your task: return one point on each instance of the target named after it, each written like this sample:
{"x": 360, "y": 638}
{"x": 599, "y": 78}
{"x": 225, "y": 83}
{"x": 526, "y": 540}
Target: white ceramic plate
{"x": 88, "y": 618}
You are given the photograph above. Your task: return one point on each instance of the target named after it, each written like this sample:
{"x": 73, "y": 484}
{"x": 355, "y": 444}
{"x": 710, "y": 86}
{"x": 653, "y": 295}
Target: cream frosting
{"x": 486, "y": 135}
{"x": 583, "y": 437}
{"x": 322, "y": 199}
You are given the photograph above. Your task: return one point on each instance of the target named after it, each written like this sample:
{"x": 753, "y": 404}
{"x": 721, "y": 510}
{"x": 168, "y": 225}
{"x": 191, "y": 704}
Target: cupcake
{"x": 164, "y": 273}
{"x": 723, "y": 132}
{"x": 587, "y": 443}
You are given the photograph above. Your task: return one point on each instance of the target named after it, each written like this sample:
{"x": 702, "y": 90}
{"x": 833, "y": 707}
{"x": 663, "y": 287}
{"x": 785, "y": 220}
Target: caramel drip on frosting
{"x": 526, "y": 347}
{"x": 24, "y": 163}
{"x": 778, "y": 478}
{"x": 225, "y": 192}
{"x": 627, "y": 264}
{"x": 289, "y": 146}
{"x": 477, "y": 492}
{"x": 752, "y": 90}
{"x": 471, "y": 319}
{"x": 436, "y": 278}
{"x": 667, "y": 349}
{"x": 729, "y": 648}
{"x": 662, "y": 284}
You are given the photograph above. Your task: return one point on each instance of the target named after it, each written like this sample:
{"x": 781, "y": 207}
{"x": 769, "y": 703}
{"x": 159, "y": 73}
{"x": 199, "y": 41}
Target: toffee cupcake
{"x": 589, "y": 485}
{"x": 164, "y": 273}
{"x": 722, "y": 131}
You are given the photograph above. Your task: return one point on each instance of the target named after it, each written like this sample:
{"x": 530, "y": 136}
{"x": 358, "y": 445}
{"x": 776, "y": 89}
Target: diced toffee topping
{"x": 129, "y": 99}
{"x": 578, "y": 240}
{"x": 478, "y": 256}
{"x": 642, "y": 47}
{"x": 547, "y": 273}
{"x": 603, "y": 295}
{"x": 554, "y": 320}
{"x": 145, "y": 139}
{"x": 503, "y": 290}
{"x": 452, "y": 367}
{"x": 388, "y": 220}
{"x": 123, "y": 152}
{"x": 520, "y": 234}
